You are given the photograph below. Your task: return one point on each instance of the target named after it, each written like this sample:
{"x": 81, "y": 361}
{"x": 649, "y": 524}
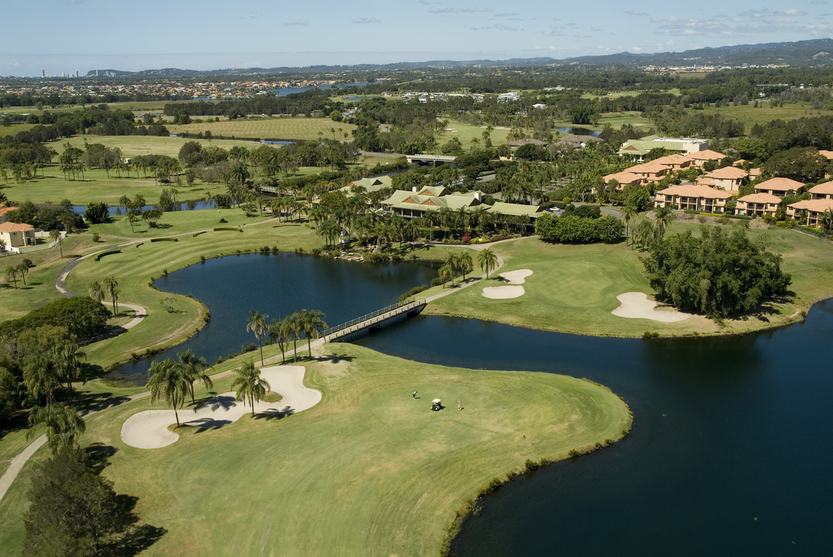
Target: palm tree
{"x": 41, "y": 378}
{"x": 55, "y": 236}
{"x": 464, "y": 263}
{"x": 66, "y": 358}
{"x": 279, "y": 332}
{"x": 168, "y": 381}
{"x": 11, "y": 275}
{"x": 63, "y": 425}
{"x": 95, "y": 291}
{"x": 452, "y": 262}
{"x": 258, "y": 325}
{"x": 445, "y": 274}
{"x": 487, "y": 261}
{"x": 22, "y": 271}
{"x": 248, "y": 384}
{"x": 629, "y": 212}
{"x": 662, "y": 216}
{"x": 193, "y": 370}
{"x": 311, "y": 322}
{"x": 293, "y": 330}
{"x": 112, "y": 286}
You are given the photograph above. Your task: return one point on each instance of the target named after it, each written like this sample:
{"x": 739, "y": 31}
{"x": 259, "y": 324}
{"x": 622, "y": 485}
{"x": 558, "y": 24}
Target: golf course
{"x": 370, "y": 470}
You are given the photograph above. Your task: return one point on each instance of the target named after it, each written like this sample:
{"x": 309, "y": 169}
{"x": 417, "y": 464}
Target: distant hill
{"x": 816, "y": 52}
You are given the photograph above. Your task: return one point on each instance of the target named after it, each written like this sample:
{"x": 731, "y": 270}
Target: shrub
{"x": 413, "y": 292}
{"x": 164, "y": 240}
{"x": 223, "y": 221}
{"x": 106, "y": 253}
{"x": 96, "y": 237}
{"x": 202, "y": 259}
{"x": 80, "y": 315}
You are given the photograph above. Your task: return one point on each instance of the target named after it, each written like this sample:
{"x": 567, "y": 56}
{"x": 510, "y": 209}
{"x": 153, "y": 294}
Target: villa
{"x": 758, "y": 205}
{"x": 700, "y": 158}
{"x": 649, "y": 171}
{"x": 4, "y": 211}
{"x": 812, "y": 209}
{"x": 728, "y": 178}
{"x": 674, "y": 162}
{"x": 624, "y": 178}
{"x": 16, "y": 235}
{"x": 779, "y": 186}
{"x": 693, "y": 198}
{"x": 822, "y": 191}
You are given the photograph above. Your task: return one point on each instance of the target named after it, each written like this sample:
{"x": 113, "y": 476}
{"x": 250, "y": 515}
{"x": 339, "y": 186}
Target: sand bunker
{"x": 503, "y": 292}
{"x": 515, "y": 278}
{"x": 636, "y": 305}
{"x": 149, "y": 430}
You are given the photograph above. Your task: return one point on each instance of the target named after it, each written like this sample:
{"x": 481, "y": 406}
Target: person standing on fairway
{"x": 458, "y": 406}
{"x": 414, "y": 395}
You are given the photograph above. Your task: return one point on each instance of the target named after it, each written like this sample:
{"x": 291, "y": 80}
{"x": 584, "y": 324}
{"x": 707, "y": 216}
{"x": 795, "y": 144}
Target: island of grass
{"x": 574, "y": 289}
{"x": 368, "y": 471}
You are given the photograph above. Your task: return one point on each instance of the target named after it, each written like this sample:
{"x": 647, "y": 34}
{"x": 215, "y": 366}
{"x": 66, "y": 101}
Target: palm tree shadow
{"x": 216, "y": 403}
{"x": 205, "y": 424}
{"x": 275, "y": 414}
{"x": 98, "y": 455}
{"x": 333, "y": 358}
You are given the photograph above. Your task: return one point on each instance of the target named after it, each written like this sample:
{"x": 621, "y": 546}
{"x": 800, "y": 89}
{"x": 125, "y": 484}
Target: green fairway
{"x": 750, "y": 115}
{"x": 272, "y": 128}
{"x": 368, "y": 471}
{"x": 134, "y": 145}
{"x": 573, "y": 288}
{"x": 465, "y": 132}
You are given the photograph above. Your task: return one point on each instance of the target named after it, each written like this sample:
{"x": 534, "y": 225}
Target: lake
{"x": 730, "y": 450}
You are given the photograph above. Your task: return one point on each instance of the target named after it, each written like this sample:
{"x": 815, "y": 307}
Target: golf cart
{"x": 436, "y": 405}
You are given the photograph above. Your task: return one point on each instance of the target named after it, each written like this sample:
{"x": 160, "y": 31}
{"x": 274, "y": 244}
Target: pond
{"x": 185, "y": 206}
{"x": 729, "y": 454}
{"x": 730, "y": 450}
{"x": 278, "y": 285}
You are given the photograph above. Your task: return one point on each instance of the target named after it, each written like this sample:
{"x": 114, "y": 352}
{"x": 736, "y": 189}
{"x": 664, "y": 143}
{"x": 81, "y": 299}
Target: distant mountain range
{"x": 816, "y": 52}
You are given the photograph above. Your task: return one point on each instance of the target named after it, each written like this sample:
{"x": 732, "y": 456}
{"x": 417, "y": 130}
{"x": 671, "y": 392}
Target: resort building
{"x": 810, "y": 211}
{"x": 728, "y": 178}
{"x": 16, "y": 235}
{"x": 369, "y": 184}
{"x": 674, "y": 162}
{"x": 416, "y": 204}
{"x": 641, "y": 147}
{"x": 700, "y": 158}
{"x": 649, "y": 171}
{"x": 758, "y": 205}
{"x": 4, "y": 211}
{"x": 693, "y": 198}
{"x": 779, "y": 187}
{"x": 624, "y": 178}
{"x": 822, "y": 191}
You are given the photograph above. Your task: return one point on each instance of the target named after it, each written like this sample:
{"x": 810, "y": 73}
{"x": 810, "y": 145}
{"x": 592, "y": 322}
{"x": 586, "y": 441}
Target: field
{"x": 368, "y": 471}
{"x": 272, "y": 128}
{"x": 466, "y": 132}
{"x": 574, "y": 288}
{"x": 750, "y": 115}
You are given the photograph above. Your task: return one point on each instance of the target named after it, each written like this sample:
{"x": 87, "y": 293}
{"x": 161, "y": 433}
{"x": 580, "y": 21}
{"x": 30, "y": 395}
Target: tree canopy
{"x": 720, "y": 274}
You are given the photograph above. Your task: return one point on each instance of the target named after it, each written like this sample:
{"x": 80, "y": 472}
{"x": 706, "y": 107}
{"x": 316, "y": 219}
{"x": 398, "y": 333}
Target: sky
{"x": 65, "y": 36}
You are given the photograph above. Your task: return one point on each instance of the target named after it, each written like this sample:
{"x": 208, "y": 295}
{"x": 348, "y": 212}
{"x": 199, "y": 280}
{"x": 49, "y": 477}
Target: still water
{"x": 732, "y": 444}
{"x": 193, "y": 205}
{"x": 278, "y": 285}
{"x": 730, "y": 453}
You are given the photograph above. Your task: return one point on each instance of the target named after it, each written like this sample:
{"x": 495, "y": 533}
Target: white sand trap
{"x": 516, "y": 277}
{"x": 636, "y": 305}
{"x": 503, "y": 292}
{"x": 149, "y": 429}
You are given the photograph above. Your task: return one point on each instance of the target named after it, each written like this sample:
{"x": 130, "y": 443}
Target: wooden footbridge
{"x": 373, "y": 320}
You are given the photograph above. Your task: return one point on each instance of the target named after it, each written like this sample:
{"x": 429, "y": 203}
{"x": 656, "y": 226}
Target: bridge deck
{"x": 365, "y": 321}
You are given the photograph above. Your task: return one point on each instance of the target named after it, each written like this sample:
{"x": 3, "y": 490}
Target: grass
{"x": 573, "y": 288}
{"x": 134, "y": 145}
{"x": 271, "y": 128}
{"x": 465, "y": 132}
{"x": 368, "y": 471}
{"x": 750, "y": 115}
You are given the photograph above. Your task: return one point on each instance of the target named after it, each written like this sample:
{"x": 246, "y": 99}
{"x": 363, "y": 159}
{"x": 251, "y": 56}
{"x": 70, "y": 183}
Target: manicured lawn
{"x": 133, "y": 145}
{"x": 368, "y": 471}
{"x": 98, "y": 187}
{"x": 750, "y": 115}
{"x": 465, "y": 132}
{"x": 271, "y": 128}
{"x": 574, "y": 288}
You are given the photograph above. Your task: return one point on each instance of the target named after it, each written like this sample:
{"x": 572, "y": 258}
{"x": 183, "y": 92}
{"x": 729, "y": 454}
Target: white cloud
{"x": 506, "y": 14}
{"x": 553, "y": 33}
{"x": 363, "y": 20}
{"x": 301, "y": 22}
{"x": 818, "y": 2}
{"x": 495, "y": 28}
{"x": 461, "y": 10}
{"x": 635, "y": 13}
{"x": 751, "y": 22}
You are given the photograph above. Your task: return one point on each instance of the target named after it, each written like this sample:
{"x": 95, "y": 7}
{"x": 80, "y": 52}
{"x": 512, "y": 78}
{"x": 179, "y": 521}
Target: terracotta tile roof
{"x": 673, "y": 159}
{"x": 4, "y": 210}
{"x": 815, "y": 205}
{"x": 696, "y": 191}
{"x": 648, "y": 167}
{"x": 727, "y": 173}
{"x": 822, "y": 189}
{"x": 707, "y": 155}
{"x": 623, "y": 177}
{"x": 760, "y": 198}
{"x": 826, "y": 154}
{"x": 779, "y": 184}
{"x": 15, "y": 227}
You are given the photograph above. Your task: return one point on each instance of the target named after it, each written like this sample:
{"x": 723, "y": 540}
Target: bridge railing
{"x": 369, "y": 316}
